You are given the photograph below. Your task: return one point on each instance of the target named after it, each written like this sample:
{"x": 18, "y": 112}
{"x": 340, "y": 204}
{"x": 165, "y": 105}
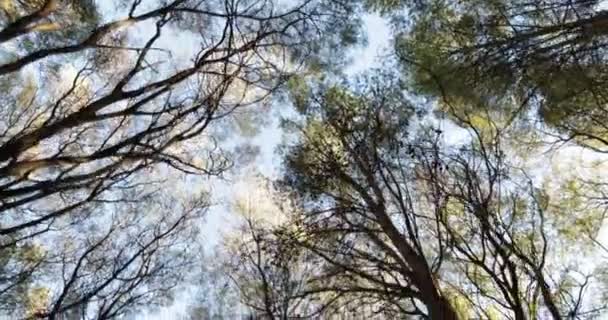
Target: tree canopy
{"x": 461, "y": 177}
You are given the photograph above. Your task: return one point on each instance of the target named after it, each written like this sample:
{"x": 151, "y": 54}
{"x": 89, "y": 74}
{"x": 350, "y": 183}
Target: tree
{"x": 522, "y": 58}
{"x": 97, "y": 109}
{"x": 277, "y": 270}
{"x": 92, "y": 270}
{"x": 429, "y": 229}
{"x": 271, "y": 276}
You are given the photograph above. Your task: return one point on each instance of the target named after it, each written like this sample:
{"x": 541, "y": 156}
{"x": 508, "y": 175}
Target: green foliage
{"x": 576, "y": 217}
{"x": 493, "y": 217}
{"x": 505, "y": 56}
{"x": 37, "y": 301}
{"x": 384, "y": 6}
{"x": 299, "y": 91}
{"x": 460, "y": 303}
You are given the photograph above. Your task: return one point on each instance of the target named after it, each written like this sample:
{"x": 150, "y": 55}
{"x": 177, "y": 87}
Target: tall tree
{"x": 547, "y": 57}
{"x": 429, "y": 229}
{"x": 99, "y": 105}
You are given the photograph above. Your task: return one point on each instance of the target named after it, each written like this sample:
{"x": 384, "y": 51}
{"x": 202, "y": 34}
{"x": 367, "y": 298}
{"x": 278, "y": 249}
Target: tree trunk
{"x": 441, "y": 309}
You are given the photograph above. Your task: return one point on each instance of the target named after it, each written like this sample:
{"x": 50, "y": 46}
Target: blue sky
{"x": 220, "y": 219}
{"x": 268, "y": 162}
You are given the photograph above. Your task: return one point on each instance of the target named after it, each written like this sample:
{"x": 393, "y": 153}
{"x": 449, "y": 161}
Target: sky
{"x": 268, "y": 162}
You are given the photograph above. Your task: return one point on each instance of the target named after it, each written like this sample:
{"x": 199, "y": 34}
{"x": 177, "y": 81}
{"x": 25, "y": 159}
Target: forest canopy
{"x": 219, "y": 159}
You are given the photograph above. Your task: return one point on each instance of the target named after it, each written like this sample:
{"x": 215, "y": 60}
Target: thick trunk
{"x": 442, "y": 310}
{"x": 438, "y": 306}
{"x": 419, "y": 272}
